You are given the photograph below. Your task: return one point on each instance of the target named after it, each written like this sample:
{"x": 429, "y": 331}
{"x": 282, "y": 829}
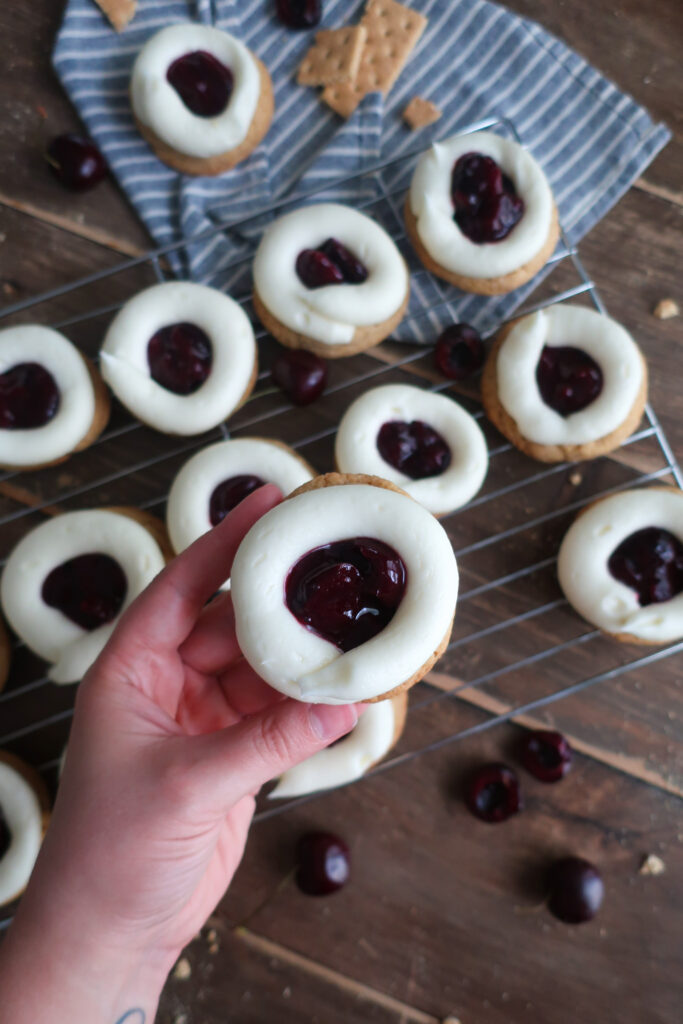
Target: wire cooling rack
{"x": 506, "y": 539}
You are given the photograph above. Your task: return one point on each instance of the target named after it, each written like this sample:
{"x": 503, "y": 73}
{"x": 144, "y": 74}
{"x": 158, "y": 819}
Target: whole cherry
{"x": 76, "y": 162}
{"x": 575, "y": 890}
{"x": 324, "y": 863}
{"x": 459, "y": 352}
{"x": 493, "y": 793}
{"x": 300, "y": 374}
{"x": 299, "y": 13}
{"x": 546, "y": 754}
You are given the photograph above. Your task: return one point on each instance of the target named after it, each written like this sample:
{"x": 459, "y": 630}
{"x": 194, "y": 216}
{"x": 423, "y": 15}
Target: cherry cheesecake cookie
{"x": 24, "y": 817}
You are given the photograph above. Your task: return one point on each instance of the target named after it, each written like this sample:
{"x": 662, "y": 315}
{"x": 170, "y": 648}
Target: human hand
{"x": 172, "y": 736}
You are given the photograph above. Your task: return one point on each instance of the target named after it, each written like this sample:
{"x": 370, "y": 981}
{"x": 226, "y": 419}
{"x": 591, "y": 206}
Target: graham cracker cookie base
{"x": 340, "y": 480}
{"x": 33, "y": 779}
{"x": 334, "y": 57}
{"x": 118, "y": 12}
{"x": 502, "y": 420}
{"x": 420, "y": 113}
{"x": 484, "y": 285}
{"x": 363, "y": 337}
{"x": 213, "y": 165}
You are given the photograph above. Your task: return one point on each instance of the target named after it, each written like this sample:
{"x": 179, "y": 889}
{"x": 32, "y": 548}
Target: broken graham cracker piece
{"x": 119, "y": 12}
{"x": 334, "y": 57}
{"x": 419, "y": 113}
{"x": 392, "y": 33}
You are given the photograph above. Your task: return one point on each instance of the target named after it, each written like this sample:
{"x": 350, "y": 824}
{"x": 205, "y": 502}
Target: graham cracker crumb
{"x": 575, "y": 478}
{"x": 666, "y": 309}
{"x": 420, "y": 112}
{"x": 183, "y": 969}
{"x": 334, "y": 57}
{"x": 119, "y": 12}
{"x": 652, "y": 865}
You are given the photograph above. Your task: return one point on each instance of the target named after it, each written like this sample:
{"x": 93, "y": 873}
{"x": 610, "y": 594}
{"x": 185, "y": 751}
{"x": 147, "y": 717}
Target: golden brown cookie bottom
{"x": 33, "y": 779}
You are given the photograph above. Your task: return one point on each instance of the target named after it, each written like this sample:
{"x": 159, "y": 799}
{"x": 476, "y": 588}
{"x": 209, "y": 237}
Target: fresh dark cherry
{"x": 301, "y": 375}
{"x": 568, "y": 378}
{"x": 486, "y": 203}
{"x": 493, "y": 793}
{"x": 76, "y": 162}
{"x": 89, "y": 589}
{"x": 229, "y": 494}
{"x": 180, "y": 357}
{"x": 459, "y": 352}
{"x": 299, "y": 13}
{"x": 202, "y": 82}
{"x": 330, "y": 263}
{"x": 649, "y": 561}
{"x": 29, "y": 397}
{"x": 575, "y": 890}
{"x": 546, "y": 754}
{"x": 5, "y": 835}
{"x": 324, "y": 863}
{"x": 348, "y": 591}
{"x": 415, "y": 449}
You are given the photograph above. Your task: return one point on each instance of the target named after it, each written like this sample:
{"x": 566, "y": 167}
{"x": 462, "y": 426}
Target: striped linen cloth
{"x": 476, "y": 61}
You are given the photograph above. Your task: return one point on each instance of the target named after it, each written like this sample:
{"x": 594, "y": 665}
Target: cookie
{"x": 420, "y": 113}
{"x": 24, "y": 817}
{"x": 337, "y": 543}
{"x": 200, "y": 98}
{"x": 480, "y": 213}
{"x": 329, "y": 279}
{"x": 334, "y": 57}
{"x": 565, "y": 384}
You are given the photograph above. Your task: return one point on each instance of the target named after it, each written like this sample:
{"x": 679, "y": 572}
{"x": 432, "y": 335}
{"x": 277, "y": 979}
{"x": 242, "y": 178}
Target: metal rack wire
{"x": 494, "y": 538}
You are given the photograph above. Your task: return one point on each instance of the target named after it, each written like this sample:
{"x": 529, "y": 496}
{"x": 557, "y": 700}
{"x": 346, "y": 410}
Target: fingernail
{"x": 331, "y": 720}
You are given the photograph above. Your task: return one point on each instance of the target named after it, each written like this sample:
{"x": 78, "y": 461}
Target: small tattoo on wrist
{"x": 134, "y": 1016}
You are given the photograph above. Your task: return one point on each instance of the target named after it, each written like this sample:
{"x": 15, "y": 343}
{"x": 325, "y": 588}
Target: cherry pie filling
{"x": 88, "y": 589}
{"x": 415, "y": 448}
{"x": 568, "y": 378}
{"x": 179, "y": 358}
{"x": 649, "y": 561}
{"x": 330, "y": 263}
{"x": 346, "y": 592}
{"x": 229, "y": 493}
{"x": 202, "y": 82}
{"x": 5, "y": 835}
{"x": 29, "y": 397}
{"x": 486, "y": 203}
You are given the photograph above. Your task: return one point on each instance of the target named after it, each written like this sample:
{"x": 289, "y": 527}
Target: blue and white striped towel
{"x": 476, "y": 61}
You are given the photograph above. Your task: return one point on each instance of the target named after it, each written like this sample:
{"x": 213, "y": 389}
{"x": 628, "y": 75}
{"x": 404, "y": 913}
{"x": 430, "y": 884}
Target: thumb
{"x": 234, "y": 762}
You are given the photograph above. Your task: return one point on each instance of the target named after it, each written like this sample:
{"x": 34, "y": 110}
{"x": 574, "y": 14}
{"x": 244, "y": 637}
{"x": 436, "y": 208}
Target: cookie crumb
{"x": 666, "y": 309}
{"x": 119, "y": 12}
{"x": 180, "y": 1018}
{"x": 420, "y": 113}
{"x": 182, "y": 970}
{"x": 334, "y": 57}
{"x": 652, "y": 865}
{"x": 451, "y": 1020}
{"x": 211, "y": 935}
{"x": 575, "y": 478}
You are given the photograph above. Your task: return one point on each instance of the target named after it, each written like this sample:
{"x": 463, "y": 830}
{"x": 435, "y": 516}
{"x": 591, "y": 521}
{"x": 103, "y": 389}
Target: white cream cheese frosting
{"x": 23, "y": 815}
{"x": 432, "y": 206}
{"x": 303, "y": 665}
{"x": 606, "y": 341}
{"x": 332, "y": 313}
{"x": 356, "y": 443}
{"x": 47, "y": 631}
{"x": 31, "y": 343}
{"x": 585, "y": 551}
{"x": 158, "y": 106}
{"x": 124, "y": 365}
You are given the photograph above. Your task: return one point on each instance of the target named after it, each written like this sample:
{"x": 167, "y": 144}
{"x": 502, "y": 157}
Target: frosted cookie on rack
{"x": 344, "y": 592}
{"x": 52, "y": 399}
{"x": 67, "y": 582}
{"x": 566, "y": 383}
{"x": 24, "y": 815}
{"x": 425, "y": 443}
{"x": 378, "y": 729}
{"x": 200, "y": 98}
{"x": 218, "y": 478}
{"x": 181, "y": 357}
{"x": 330, "y": 280}
{"x": 481, "y": 214}
{"x": 621, "y": 565}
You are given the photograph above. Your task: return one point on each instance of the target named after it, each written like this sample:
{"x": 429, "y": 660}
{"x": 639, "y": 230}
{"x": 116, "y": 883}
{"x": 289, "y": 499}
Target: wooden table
{"x": 444, "y": 915}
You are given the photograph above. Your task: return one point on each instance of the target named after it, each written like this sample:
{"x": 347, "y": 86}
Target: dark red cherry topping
{"x": 202, "y": 82}
{"x": 330, "y": 263}
{"x": 229, "y": 494}
{"x": 5, "y": 835}
{"x": 76, "y": 162}
{"x": 301, "y": 375}
{"x": 324, "y": 863}
{"x": 575, "y": 890}
{"x": 29, "y": 397}
{"x": 486, "y": 203}
{"x": 459, "y": 352}
{"x": 493, "y": 793}
{"x": 649, "y": 561}
{"x": 180, "y": 357}
{"x": 415, "y": 449}
{"x": 348, "y": 591}
{"x": 568, "y": 378}
{"x": 299, "y": 13}
{"x": 89, "y": 589}
{"x": 546, "y": 754}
